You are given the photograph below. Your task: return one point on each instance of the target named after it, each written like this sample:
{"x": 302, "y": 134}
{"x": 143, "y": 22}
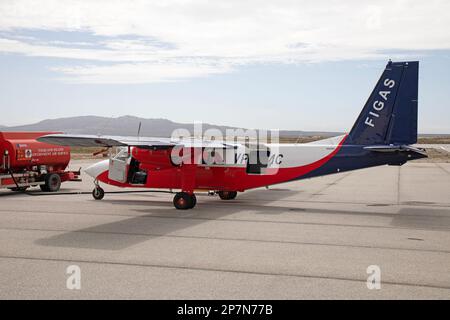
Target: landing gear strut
{"x": 184, "y": 201}
{"x": 227, "y": 195}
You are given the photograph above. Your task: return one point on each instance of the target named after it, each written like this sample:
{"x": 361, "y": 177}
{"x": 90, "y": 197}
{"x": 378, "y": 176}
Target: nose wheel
{"x": 184, "y": 201}
{"x": 98, "y": 193}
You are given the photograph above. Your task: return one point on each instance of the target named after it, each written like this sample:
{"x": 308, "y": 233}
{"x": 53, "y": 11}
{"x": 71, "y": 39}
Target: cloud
{"x": 140, "y": 72}
{"x": 179, "y": 39}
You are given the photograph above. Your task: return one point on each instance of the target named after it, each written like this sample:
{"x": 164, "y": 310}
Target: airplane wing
{"x": 80, "y": 140}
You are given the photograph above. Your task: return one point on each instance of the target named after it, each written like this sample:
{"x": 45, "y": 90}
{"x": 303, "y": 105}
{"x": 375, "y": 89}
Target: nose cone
{"x": 97, "y": 169}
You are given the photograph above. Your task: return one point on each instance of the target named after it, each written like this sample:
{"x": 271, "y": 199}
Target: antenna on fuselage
{"x": 139, "y": 130}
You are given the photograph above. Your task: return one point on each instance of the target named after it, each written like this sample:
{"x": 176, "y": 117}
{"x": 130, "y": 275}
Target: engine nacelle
{"x": 153, "y": 159}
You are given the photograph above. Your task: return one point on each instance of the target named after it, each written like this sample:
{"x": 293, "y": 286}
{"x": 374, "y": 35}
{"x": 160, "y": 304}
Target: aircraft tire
{"x": 98, "y": 193}
{"x": 227, "y": 195}
{"x": 184, "y": 201}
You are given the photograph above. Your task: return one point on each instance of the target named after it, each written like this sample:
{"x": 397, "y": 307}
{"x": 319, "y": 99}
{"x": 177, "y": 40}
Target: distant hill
{"x": 128, "y": 126}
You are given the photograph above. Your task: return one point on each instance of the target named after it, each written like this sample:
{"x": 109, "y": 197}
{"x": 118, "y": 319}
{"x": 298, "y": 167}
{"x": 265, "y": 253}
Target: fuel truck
{"x": 25, "y": 162}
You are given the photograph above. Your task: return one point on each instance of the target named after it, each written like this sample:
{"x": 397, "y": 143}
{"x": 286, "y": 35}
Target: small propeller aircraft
{"x": 383, "y": 134}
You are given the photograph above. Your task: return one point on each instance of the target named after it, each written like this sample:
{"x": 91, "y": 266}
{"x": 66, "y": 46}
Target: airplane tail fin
{"x": 390, "y": 114}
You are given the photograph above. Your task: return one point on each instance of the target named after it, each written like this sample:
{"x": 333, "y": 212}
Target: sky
{"x": 286, "y": 64}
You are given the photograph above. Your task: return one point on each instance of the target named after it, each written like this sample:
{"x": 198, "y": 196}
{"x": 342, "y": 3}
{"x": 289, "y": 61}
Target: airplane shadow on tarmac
{"x": 159, "y": 219}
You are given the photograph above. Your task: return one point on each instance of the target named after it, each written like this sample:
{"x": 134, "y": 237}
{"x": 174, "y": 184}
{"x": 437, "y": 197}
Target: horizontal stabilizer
{"x": 395, "y": 148}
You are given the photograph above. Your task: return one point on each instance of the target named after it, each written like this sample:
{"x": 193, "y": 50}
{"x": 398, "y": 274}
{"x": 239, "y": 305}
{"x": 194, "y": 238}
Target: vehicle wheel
{"x": 52, "y": 183}
{"x": 19, "y": 189}
{"x": 227, "y": 195}
{"x": 98, "y": 193}
{"x": 184, "y": 201}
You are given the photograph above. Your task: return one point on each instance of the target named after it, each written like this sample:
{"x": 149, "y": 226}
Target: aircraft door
{"x": 118, "y": 166}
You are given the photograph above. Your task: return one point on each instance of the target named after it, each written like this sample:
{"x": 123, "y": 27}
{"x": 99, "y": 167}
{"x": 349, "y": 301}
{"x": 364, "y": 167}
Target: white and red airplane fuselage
{"x": 286, "y": 162}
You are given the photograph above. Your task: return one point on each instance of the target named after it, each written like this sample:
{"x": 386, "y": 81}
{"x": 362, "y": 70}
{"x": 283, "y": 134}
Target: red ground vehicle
{"x": 25, "y": 162}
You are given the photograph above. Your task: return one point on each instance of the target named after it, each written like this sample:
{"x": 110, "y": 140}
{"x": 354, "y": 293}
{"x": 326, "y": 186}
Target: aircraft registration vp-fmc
{"x": 383, "y": 134}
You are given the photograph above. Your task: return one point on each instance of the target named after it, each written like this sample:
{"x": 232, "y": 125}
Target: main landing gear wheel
{"x": 227, "y": 195}
{"x": 184, "y": 201}
{"x": 98, "y": 193}
{"x": 52, "y": 183}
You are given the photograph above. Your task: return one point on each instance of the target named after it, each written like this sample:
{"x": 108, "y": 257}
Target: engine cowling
{"x": 153, "y": 159}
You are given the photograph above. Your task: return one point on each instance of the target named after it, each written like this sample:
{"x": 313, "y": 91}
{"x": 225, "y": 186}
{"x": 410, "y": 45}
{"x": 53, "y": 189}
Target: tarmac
{"x": 309, "y": 239}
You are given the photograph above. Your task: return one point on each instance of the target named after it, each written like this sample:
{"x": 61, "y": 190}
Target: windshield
{"x": 122, "y": 153}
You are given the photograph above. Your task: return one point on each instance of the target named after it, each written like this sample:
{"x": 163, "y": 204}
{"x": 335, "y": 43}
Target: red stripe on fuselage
{"x": 225, "y": 178}
{"x": 243, "y": 181}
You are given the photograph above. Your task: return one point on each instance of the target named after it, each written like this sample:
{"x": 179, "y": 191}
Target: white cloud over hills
{"x": 106, "y": 41}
